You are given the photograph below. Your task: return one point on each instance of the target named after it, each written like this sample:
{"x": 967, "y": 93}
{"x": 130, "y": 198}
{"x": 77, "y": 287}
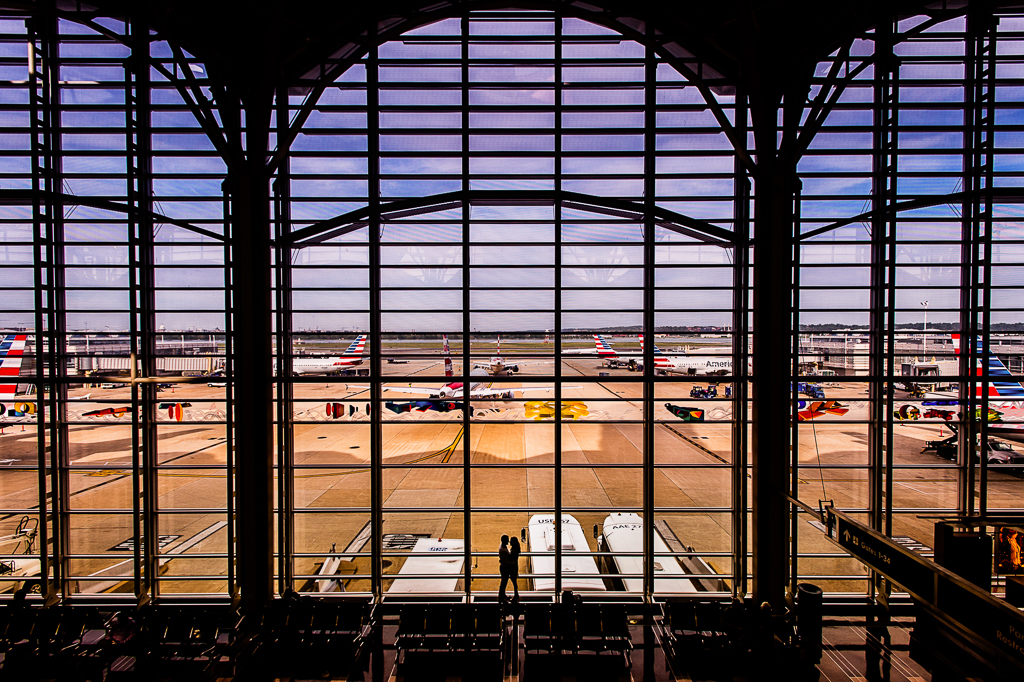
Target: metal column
{"x": 376, "y": 431}
{"x": 883, "y": 290}
{"x": 740, "y": 348}
{"x": 48, "y": 235}
{"x": 649, "y": 322}
{"x": 142, "y": 325}
{"x": 976, "y": 235}
{"x": 283, "y": 254}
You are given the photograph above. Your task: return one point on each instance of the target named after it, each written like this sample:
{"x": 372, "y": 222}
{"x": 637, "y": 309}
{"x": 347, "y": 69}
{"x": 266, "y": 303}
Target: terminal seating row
{"x": 695, "y": 628}
{"x": 63, "y": 642}
{"x": 41, "y": 642}
{"x": 303, "y": 637}
{"x": 454, "y": 627}
{"x": 577, "y": 629}
{"x": 699, "y": 637}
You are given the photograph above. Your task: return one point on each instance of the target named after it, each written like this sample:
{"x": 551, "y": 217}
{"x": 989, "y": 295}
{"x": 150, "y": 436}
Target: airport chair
{"x": 615, "y": 632}
{"x": 710, "y": 625}
{"x": 463, "y": 628}
{"x": 411, "y": 628}
{"x": 602, "y": 629}
{"x": 541, "y": 631}
{"x": 683, "y": 636}
{"x": 437, "y": 628}
{"x": 488, "y": 633}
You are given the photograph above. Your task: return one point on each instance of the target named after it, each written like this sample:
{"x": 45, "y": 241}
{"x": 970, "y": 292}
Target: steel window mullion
{"x": 285, "y": 387}
{"x": 882, "y": 314}
{"x": 50, "y": 506}
{"x": 649, "y": 322}
{"x": 467, "y": 472}
{"x": 53, "y": 227}
{"x": 793, "y": 460}
{"x": 558, "y": 108}
{"x": 740, "y": 354}
{"x": 229, "y": 405}
{"x": 376, "y": 335}
{"x": 983, "y": 153}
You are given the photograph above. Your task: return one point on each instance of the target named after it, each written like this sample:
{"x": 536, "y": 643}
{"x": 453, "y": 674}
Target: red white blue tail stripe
{"x": 997, "y": 388}
{"x": 603, "y": 347}
{"x": 661, "y": 362}
{"x": 12, "y": 348}
{"x": 357, "y": 346}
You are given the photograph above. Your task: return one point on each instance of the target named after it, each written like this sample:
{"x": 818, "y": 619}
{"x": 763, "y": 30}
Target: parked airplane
{"x": 687, "y": 364}
{"x": 352, "y": 356}
{"x": 499, "y": 366}
{"x": 1004, "y": 394}
{"x": 455, "y": 389}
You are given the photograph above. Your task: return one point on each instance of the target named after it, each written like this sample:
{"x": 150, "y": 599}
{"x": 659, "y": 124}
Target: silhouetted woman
{"x": 514, "y": 551}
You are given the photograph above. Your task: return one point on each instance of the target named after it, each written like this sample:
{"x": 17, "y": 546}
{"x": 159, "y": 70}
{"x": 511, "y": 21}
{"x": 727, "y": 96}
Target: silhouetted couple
{"x": 508, "y": 563}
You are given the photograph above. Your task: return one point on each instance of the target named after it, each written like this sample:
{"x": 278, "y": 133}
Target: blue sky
{"x": 694, "y": 165}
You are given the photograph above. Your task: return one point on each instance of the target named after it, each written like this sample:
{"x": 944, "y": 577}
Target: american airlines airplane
{"x": 1006, "y": 396}
{"x": 499, "y": 366}
{"x": 455, "y": 389}
{"x": 352, "y": 356}
{"x": 690, "y": 364}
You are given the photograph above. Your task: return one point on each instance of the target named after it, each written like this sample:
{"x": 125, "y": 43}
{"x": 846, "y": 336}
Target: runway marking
{"x": 126, "y": 568}
{"x": 694, "y": 443}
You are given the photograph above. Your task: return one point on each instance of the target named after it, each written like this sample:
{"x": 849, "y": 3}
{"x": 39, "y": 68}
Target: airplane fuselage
{"x": 323, "y": 365}
{"x": 693, "y": 364}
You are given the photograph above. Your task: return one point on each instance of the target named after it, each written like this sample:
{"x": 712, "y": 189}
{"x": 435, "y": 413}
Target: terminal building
{"x": 711, "y": 310}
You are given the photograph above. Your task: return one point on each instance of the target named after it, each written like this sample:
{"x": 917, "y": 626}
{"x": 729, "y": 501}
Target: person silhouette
{"x": 514, "y": 551}
{"x": 505, "y": 568}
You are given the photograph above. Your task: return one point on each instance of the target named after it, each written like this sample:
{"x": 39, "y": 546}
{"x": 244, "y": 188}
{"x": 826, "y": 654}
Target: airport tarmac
{"x": 423, "y": 483}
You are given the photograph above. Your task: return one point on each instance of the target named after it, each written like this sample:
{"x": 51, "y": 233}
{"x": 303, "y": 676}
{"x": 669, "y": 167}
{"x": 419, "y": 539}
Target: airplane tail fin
{"x": 995, "y": 387}
{"x": 603, "y": 347}
{"x": 357, "y": 346}
{"x": 449, "y": 369}
{"x": 657, "y": 351}
{"x": 12, "y": 348}
{"x": 499, "y": 345}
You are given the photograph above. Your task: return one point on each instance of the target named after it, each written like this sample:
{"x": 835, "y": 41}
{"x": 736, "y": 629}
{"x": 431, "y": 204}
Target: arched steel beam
{"x": 1013, "y": 195}
{"x": 353, "y": 220}
{"x": 23, "y": 197}
{"x": 190, "y": 92}
{"x": 440, "y": 11}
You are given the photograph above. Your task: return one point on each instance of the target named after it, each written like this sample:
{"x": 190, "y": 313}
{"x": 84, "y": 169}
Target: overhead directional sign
{"x": 896, "y": 563}
{"x": 948, "y": 596}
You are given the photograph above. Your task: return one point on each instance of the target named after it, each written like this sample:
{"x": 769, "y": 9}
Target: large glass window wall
{"x": 511, "y": 266}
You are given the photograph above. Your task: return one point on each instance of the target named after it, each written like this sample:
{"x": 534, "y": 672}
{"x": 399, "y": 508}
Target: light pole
{"x": 924, "y": 334}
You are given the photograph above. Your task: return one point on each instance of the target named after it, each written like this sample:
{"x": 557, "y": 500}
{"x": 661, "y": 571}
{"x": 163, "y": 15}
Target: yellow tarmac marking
{"x": 447, "y": 453}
